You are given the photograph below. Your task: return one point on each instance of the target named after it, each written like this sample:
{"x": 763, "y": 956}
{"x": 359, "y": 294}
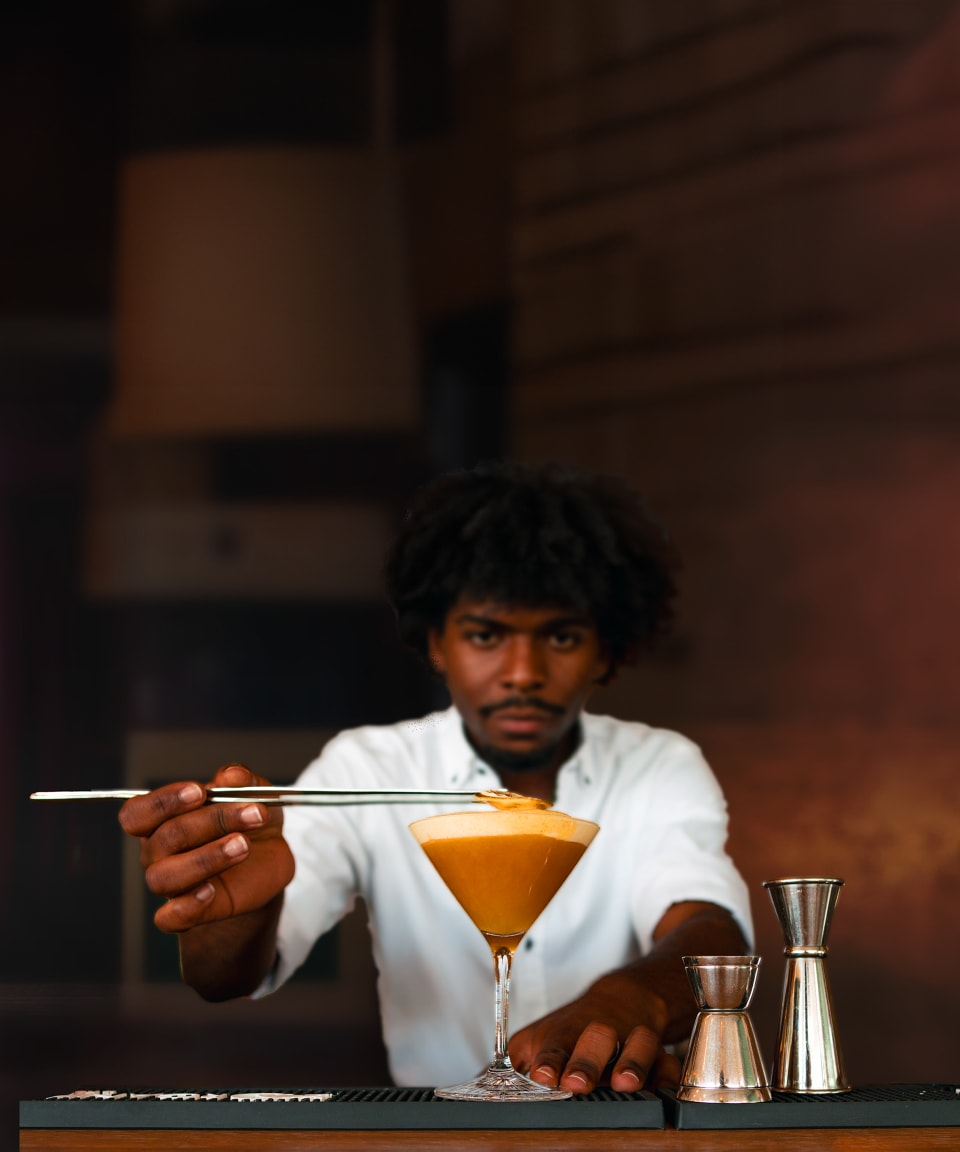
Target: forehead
{"x": 522, "y": 617}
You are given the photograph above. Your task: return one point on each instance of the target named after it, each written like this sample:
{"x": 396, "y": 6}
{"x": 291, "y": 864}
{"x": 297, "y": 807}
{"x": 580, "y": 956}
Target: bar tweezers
{"x": 270, "y": 794}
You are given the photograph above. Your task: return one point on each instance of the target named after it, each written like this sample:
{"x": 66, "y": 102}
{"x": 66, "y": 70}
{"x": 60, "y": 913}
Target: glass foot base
{"x": 502, "y": 1084}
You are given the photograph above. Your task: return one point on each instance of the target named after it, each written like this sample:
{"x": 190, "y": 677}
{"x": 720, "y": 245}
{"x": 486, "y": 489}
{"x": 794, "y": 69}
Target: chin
{"x": 518, "y": 759}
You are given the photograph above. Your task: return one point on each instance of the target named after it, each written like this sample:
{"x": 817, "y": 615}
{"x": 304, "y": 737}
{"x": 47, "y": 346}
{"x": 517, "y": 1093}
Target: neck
{"x": 542, "y": 783}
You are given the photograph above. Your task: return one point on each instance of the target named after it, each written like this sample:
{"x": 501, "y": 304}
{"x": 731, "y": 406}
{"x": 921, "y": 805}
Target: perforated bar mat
{"x": 346, "y": 1108}
{"x": 876, "y": 1106}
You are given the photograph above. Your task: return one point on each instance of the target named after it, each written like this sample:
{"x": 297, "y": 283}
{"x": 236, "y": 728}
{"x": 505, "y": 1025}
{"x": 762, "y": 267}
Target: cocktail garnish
{"x": 501, "y": 799}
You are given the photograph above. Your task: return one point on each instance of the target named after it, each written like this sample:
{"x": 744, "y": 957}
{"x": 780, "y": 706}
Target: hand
{"x": 211, "y": 861}
{"x": 614, "y": 1030}
{"x": 585, "y": 1044}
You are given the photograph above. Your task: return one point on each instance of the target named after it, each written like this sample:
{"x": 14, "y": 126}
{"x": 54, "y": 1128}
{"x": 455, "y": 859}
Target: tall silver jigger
{"x": 723, "y": 1062}
{"x": 808, "y": 1052}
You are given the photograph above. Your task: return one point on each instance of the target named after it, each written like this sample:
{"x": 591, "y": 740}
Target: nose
{"x": 524, "y": 669}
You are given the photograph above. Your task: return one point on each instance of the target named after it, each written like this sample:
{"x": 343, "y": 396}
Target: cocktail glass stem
{"x": 502, "y": 961}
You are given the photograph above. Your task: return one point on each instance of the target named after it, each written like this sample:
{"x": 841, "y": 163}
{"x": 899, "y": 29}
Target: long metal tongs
{"x": 270, "y": 794}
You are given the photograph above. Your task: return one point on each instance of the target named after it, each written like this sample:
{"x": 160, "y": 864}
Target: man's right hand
{"x": 212, "y": 862}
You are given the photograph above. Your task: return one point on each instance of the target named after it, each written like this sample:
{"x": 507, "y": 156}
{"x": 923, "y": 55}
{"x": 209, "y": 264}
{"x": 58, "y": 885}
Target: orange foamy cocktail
{"x": 504, "y": 866}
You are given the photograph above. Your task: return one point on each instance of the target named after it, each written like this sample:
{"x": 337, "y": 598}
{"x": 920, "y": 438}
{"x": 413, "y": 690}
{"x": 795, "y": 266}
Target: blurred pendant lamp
{"x": 264, "y": 289}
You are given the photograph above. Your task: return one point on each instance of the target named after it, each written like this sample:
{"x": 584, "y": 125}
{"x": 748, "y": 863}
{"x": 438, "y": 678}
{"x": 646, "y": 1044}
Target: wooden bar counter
{"x": 502, "y": 1140}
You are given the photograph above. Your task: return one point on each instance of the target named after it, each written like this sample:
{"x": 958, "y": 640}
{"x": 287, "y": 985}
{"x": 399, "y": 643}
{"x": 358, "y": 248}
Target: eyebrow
{"x": 569, "y": 621}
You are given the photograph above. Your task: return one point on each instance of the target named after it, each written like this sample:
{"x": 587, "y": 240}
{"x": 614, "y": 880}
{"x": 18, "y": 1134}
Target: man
{"x": 525, "y": 588}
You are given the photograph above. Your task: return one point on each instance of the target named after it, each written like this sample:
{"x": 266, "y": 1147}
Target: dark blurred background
{"x": 269, "y": 264}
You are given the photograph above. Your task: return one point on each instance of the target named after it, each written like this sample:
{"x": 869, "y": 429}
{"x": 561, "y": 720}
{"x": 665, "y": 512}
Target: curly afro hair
{"x": 524, "y": 535}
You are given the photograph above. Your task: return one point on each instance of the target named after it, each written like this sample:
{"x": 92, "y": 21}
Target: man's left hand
{"x": 577, "y": 1049}
{"x": 613, "y": 1033}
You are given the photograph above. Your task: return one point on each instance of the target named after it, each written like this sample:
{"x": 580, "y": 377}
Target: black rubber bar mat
{"x": 874, "y": 1106}
{"x": 335, "y": 1108}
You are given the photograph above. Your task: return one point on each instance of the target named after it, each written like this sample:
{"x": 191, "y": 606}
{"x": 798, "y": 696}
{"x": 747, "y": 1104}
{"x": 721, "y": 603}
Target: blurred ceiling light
{"x": 264, "y": 289}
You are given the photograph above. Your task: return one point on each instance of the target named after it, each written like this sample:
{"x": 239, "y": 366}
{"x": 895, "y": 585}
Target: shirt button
{"x": 528, "y": 943}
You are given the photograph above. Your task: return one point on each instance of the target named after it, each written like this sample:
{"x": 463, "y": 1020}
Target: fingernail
{"x": 190, "y": 794}
{"x": 251, "y": 816}
{"x": 235, "y": 846}
{"x": 575, "y": 1080}
{"x": 625, "y": 1079}
{"x": 204, "y": 893}
{"x": 544, "y": 1075}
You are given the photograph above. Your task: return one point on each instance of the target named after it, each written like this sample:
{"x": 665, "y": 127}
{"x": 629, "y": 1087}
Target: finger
{"x": 143, "y": 815}
{"x": 231, "y": 893}
{"x": 236, "y": 776}
{"x": 239, "y": 776}
{"x": 636, "y": 1061}
{"x": 173, "y": 875}
{"x": 523, "y": 1047}
{"x": 187, "y": 911}
{"x": 666, "y": 1072}
{"x": 203, "y": 826}
{"x": 547, "y": 1066}
{"x": 592, "y": 1052}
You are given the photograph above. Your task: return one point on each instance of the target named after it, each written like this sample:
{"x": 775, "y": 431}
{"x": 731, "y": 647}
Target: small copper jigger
{"x": 808, "y": 1052}
{"x": 723, "y": 1062}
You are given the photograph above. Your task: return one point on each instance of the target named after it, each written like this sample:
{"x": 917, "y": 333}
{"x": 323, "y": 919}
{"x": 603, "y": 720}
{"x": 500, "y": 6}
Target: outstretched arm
{"x": 222, "y": 869}
{"x": 625, "y": 1017}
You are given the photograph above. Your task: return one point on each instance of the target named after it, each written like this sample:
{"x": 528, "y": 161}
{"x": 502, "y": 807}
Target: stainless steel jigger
{"x": 723, "y": 1062}
{"x": 808, "y": 1053}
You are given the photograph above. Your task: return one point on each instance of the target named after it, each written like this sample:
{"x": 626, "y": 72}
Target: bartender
{"x": 526, "y": 589}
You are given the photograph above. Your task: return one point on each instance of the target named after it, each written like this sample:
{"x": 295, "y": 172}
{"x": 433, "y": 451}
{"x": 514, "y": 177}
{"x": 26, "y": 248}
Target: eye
{"x": 565, "y": 639}
{"x": 482, "y": 637}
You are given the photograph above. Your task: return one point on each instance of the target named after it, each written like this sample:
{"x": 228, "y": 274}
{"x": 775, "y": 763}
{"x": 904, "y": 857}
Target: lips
{"x": 517, "y": 722}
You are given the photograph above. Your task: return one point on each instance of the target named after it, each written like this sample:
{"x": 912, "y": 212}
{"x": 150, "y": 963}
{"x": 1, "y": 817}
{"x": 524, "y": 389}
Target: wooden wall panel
{"x": 870, "y": 806}
{"x": 736, "y": 266}
{"x": 784, "y": 215}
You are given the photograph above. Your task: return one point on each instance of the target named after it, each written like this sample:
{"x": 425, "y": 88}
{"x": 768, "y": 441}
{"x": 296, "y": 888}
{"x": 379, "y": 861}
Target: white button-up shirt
{"x": 663, "y": 827}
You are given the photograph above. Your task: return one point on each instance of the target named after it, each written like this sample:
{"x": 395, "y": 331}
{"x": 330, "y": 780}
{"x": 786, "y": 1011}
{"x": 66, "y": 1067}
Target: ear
{"x": 435, "y": 652}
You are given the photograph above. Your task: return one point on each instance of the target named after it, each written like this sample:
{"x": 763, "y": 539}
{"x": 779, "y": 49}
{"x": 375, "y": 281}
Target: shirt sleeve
{"x": 684, "y": 825}
{"x": 330, "y": 863}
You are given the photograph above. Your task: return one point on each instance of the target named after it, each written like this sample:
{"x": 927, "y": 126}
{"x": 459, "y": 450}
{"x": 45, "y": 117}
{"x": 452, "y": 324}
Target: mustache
{"x": 525, "y": 703}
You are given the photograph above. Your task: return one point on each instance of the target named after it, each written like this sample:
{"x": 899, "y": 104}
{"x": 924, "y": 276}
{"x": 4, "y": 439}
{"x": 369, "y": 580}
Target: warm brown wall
{"x": 734, "y": 261}
{"x": 736, "y": 284}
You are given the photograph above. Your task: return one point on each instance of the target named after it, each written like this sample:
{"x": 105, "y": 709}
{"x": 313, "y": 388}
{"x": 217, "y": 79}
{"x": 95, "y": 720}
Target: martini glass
{"x": 504, "y": 867}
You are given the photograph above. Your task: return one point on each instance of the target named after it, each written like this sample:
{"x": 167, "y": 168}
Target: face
{"x": 519, "y": 678}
